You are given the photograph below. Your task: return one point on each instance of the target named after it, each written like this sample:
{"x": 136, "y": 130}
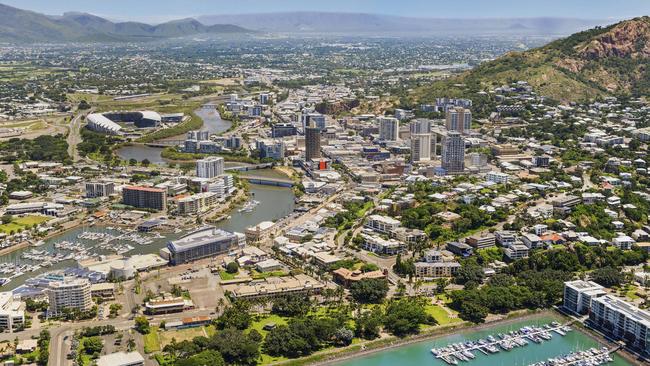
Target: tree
{"x": 343, "y": 337}
{"x": 473, "y": 312}
{"x": 92, "y": 345}
{"x": 469, "y": 272}
{"x": 232, "y": 267}
{"x": 142, "y": 325}
{"x": 291, "y": 305}
{"x": 145, "y": 162}
{"x": 7, "y": 219}
{"x": 369, "y": 290}
{"x": 133, "y": 162}
{"x": 404, "y": 316}
{"x": 207, "y": 357}
{"x": 608, "y": 276}
{"x": 83, "y": 105}
{"x": 236, "y": 347}
{"x": 236, "y": 316}
{"x": 368, "y": 324}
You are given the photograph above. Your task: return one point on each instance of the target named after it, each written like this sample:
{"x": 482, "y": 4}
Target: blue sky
{"x": 159, "y": 10}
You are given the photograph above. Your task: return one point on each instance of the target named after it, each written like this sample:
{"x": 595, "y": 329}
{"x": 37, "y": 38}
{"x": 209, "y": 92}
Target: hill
{"x": 345, "y": 23}
{"x": 22, "y": 26}
{"x": 612, "y": 60}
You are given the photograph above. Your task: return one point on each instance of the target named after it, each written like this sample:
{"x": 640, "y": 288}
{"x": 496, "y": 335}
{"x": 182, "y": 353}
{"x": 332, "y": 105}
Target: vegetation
{"x": 42, "y": 148}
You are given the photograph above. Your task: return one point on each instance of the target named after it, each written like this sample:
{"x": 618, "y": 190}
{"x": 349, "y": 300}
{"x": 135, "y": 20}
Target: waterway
{"x": 212, "y": 123}
{"x": 275, "y": 203}
{"x": 418, "y": 354}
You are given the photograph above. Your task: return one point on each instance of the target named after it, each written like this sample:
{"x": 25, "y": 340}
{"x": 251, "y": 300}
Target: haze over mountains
{"x": 324, "y": 22}
{"x": 17, "y": 25}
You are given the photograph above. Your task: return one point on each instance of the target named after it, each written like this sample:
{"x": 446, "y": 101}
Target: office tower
{"x": 312, "y": 142}
{"x": 423, "y": 142}
{"x": 420, "y": 147}
{"x": 312, "y": 117}
{"x": 68, "y": 294}
{"x": 210, "y": 167}
{"x": 459, "y": 119}
{"x": 453, "y": 152}
{"x": 388, "y": 128}
{"x": 145, "y": 197}
{"x": 264, "y": 98}
{"x": 99, "y": 189}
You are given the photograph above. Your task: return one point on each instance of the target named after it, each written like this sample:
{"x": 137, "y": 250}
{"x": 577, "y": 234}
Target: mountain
{"x": 612, "y": 60}
{"x": 17, "y": 25}
{"x": 324, "y": 22}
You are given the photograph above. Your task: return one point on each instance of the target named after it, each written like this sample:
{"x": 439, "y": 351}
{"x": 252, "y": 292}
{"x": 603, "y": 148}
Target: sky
{"x": 163, "y": 10}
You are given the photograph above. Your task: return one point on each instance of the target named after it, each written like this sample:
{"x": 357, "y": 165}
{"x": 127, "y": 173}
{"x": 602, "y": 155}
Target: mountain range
{"x": 23, "y": 26}
{"x": 355, "y": 23}
{"x": 611, "y": 60}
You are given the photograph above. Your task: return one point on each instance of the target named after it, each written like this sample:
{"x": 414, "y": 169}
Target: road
{"x": 74, "y": 135}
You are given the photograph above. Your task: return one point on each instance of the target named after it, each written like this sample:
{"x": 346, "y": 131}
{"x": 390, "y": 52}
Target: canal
{"x": 274, "y": 203}
{"x": 212, "y": 123}
{"x": 418, "y": 354}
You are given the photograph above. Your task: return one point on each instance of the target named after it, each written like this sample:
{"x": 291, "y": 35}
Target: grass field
{"x": 22, "y": 223}
{"x": 180, "y": 335}
{"x": 227, "y": 276}
{"x": 152, "y": 341}
{"x": 440, "y": 315}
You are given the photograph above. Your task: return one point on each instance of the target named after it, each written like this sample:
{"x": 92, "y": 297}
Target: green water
{"x": 419, "y": 353}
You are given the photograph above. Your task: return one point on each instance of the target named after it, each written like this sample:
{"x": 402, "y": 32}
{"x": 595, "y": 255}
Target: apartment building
{"x": 99, "y": 189}
{"x": 578, "y": 295}
{"x": 71, "y": 293}
{"x": 145, "y": 197}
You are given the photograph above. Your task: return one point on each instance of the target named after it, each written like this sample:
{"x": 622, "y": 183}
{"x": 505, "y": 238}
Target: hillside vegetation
{"x": 609, "y": 60}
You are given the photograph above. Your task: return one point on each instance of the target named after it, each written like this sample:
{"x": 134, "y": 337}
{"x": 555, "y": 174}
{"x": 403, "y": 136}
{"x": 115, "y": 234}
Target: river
{"x": 275, "y": 203}
{"x": 418, "y": 354}
{"x": 212, "y": 122}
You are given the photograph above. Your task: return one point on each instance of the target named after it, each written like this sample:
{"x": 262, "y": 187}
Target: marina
{"x": 85, "y": 242}
{"x": 522, "y": 337}
{"x": 574, "y": 348}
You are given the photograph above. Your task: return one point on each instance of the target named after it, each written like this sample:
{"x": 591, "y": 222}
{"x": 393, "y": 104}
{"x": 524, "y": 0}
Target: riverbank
{"x": 339, "y": 355}
{"x": 14, "y": 248}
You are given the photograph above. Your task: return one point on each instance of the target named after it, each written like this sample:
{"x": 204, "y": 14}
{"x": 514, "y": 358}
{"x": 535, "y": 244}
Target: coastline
{"x": 13, "y": 248}
{"x": 337, "y": 356}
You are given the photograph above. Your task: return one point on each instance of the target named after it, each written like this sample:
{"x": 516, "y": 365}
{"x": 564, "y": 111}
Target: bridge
{"x": 267, "y": 181}
{"x": 245, "y": 168}
{"x": 165, "y": 143}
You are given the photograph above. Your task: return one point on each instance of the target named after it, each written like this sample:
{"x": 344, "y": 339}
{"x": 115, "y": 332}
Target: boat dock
{"x": 453, "y": 353}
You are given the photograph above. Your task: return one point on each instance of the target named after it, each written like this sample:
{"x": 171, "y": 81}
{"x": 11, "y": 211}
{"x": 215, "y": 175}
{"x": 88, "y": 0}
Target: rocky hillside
{"x": 613, "y": 60}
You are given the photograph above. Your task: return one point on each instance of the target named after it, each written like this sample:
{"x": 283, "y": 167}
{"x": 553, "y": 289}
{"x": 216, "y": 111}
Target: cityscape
{"x": 354, "y": 184}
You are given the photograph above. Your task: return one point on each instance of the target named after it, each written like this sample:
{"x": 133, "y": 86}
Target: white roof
{"x": 103, "y": 122}
{"x": 120, "y": 358}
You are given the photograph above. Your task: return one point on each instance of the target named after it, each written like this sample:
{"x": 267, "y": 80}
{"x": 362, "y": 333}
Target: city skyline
{"x": 168, "y": 10}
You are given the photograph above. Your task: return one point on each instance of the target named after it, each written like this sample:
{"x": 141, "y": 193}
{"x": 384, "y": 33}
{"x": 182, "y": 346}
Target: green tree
{"x": 404, "y": 316}
{"x": 142, "y": 325}
{"x": 369, "y": 290}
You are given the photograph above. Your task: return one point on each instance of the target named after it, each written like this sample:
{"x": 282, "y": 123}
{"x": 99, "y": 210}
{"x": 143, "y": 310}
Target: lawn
{"x": 180, "y": 335}
{"x": 22, "y": 223}
{"x": 225, "y": 276}
{"x": 262, "y": 275}
{"x": 152, "y": 341}
{"x": 259, "y": 324}
{"x": 440, "y": 315}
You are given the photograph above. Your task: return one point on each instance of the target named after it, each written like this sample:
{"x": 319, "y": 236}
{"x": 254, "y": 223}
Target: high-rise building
{"x": 621, "y": 320}
{"x": 388, "y": 128}
{"x": 459, "y": 119}
{"x": 71, "y": 293}
{"x": 145, "y": 197}
{"x": 210, "y": 167}
{"x": 281, "y": 129}
{"x": 273, "y": 149}
{"x": 420, "y": 140}
{"x": 312, "y": 142}
{"x": 312, "y": 117}
{"x": 579, "y": 294}
{"x": 420, "y": 147}
{"x": 453, "y": 153}
{"x": 99, "y": 189}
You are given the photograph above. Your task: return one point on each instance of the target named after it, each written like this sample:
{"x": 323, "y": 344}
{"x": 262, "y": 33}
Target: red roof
{"x": 145, "y": 189}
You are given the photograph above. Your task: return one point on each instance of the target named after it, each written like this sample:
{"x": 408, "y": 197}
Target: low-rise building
{"x": 121, "y": 359}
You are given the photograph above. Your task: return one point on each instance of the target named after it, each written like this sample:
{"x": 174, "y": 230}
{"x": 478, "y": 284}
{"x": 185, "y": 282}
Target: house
{"x": 517, "y": 251}
{"x": 623, "y": 242}
{"x": 347, "y": 277}
{"x": 461, "y": 249}
{"x": 532, "y": 241}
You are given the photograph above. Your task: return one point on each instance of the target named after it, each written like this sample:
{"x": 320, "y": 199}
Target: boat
{"x": 4, "y": 281}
